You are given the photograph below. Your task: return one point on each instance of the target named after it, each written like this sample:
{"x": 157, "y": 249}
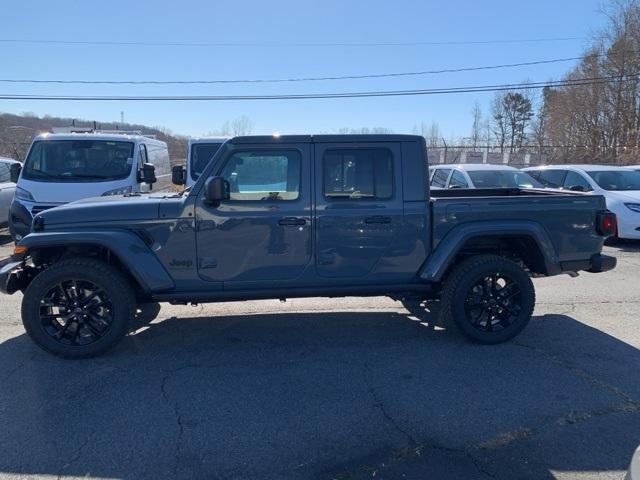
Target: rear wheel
{"x": 489, "y": 298}
{"x": 78, "y": 308}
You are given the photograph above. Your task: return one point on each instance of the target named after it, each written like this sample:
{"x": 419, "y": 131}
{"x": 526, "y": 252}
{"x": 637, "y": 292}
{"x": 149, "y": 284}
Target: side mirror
{"x": 178, "y": 175}
{"x": 577, "y": 188}
{"x": 14, "y": 172}
{"x": 216, "y": 189}
{"x": 147, "y": 174}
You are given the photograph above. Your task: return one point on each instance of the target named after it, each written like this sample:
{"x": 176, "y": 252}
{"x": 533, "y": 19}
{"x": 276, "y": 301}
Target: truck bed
{"x": 569, "y": 218}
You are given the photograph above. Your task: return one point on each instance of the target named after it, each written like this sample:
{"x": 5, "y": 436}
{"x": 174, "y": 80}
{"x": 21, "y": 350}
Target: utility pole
{"x": 122, "y": 117}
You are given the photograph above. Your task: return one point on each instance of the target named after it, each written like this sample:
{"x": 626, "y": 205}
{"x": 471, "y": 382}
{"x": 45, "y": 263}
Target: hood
{"x": 103, "y": 210}
{"x": 55, "y": 193}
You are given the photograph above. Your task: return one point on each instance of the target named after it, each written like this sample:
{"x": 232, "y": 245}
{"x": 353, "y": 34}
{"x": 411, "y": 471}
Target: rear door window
{"x": 440, "y": 177}
{"x": 358, "y": 173}
{"x": 458, "y": 180}
{"x": 574, "y": 179}
{"x": 552, "y": 178}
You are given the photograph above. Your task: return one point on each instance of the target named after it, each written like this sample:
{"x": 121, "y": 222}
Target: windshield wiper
{"x": 82, "y": 175}
{"x": 43, "y": 173}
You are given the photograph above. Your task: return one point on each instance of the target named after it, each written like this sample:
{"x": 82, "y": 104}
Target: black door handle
{"x": 292, "y": 221}
{"x": 377, "y": 219}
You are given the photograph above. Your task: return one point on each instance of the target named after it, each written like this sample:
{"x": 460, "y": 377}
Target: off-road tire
{"x": 458, "y": 286}
{"x": 115, "y": 286}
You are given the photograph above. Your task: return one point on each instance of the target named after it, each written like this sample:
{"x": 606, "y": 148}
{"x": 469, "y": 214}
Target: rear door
{"x": 359, "y": 208}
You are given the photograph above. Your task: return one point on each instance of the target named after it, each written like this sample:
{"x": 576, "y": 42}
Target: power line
{"x": 290, "y": 44}
{"x": 283, "y": 80}
{"x": 311, "y": 96}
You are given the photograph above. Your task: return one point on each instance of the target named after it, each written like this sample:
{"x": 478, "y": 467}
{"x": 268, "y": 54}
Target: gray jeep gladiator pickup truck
{"x": 302, "y": 216}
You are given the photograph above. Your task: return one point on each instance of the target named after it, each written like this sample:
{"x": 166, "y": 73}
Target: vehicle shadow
{"x": 323, "y": 395}
{"x": 625, "y": 245}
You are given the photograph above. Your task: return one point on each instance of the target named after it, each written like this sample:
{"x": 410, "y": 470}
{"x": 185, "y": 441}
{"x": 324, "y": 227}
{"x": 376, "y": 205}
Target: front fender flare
{"x": 443, "y": 255}
{"x": 140, "y": 261}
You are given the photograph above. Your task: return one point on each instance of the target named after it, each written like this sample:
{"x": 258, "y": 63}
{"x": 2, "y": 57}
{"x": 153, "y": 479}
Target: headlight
{"x": 633, "y": 206}
{"x": 118, "y": 191}
{"x": 23, "y": 194}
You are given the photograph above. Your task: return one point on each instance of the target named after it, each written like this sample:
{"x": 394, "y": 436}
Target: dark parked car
{"x": 301, "y": 216}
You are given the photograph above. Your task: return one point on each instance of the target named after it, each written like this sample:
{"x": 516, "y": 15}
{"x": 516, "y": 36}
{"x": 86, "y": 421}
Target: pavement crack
{"x": 13, "y": 371}
{"x": 76, "y": 456}
{"x": 581, "y": 373}
{"x": 379, "y": 404}
{"x": 179, "y": 422}
{"x": 576, "y": 416}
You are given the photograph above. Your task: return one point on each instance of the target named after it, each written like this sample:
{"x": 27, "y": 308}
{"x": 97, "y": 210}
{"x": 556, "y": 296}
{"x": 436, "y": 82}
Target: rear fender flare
{"x": 443, "y": 255}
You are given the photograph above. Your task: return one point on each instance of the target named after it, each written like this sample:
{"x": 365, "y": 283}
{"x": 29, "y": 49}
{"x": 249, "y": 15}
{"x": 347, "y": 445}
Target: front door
{"x": 359, "y": 210}
{"x": 262, "y": 234}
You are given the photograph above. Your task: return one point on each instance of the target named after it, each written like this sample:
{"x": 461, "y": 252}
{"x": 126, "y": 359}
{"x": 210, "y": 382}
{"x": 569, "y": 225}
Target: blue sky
{"x": 329, "y": 21}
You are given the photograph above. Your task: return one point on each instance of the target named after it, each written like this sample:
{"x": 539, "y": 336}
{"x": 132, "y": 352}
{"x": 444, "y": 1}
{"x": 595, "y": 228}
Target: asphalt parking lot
{"x": 337, "y": 389}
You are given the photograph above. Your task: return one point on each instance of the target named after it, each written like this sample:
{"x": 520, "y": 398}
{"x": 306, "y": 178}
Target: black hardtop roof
{"x": 380, "y": 137}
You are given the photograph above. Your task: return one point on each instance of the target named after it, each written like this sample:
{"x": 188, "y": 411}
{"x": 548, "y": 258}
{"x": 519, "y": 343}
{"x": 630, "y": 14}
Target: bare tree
{"x": 434, "y": 137}
{"x": 600, "y": 121}
{"x": 476, "y": 126}
{"x": 241, "y": 126}
{"x": 363, "y": 130}
{"x": 499, "y": 121}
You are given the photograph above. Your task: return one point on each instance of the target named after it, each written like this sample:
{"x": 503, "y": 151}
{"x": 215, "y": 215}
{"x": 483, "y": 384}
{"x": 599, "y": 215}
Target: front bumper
{"x": 13, "y": 276}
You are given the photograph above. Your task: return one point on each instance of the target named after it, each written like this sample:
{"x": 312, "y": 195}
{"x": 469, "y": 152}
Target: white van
{"x": 62, "y": 168}
{"x": 199, "y": 152}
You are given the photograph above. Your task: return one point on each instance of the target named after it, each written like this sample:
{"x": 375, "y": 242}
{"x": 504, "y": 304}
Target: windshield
{"x": 616, "y": 180}
{"x": 201, "y": 153}
{"x": 78, "y": 160}
{"x": 503, "y": 179}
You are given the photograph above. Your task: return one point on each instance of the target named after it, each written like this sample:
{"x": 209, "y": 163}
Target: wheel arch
{"x": 126, "y": 250}
{"x": 519, "y": 240}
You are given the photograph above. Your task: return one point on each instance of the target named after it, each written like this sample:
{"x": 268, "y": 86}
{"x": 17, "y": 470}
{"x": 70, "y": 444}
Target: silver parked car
{"x": 479, "y": 175}
{"x": 7, "y": 189}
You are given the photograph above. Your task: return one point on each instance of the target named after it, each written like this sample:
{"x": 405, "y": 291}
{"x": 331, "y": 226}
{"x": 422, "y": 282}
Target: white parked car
{"x": 620, "y": 186}
{"x": 199, "y": 152}
{"x": 7, "y": 188}
{"x": 634, "y": 469}
{"x": 479, "y": 175}
{"x": 64, "y": 167}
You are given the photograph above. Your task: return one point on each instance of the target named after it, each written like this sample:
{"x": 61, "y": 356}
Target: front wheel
{"x": 78, "y": 308}
{"x": 489, "y": 298}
